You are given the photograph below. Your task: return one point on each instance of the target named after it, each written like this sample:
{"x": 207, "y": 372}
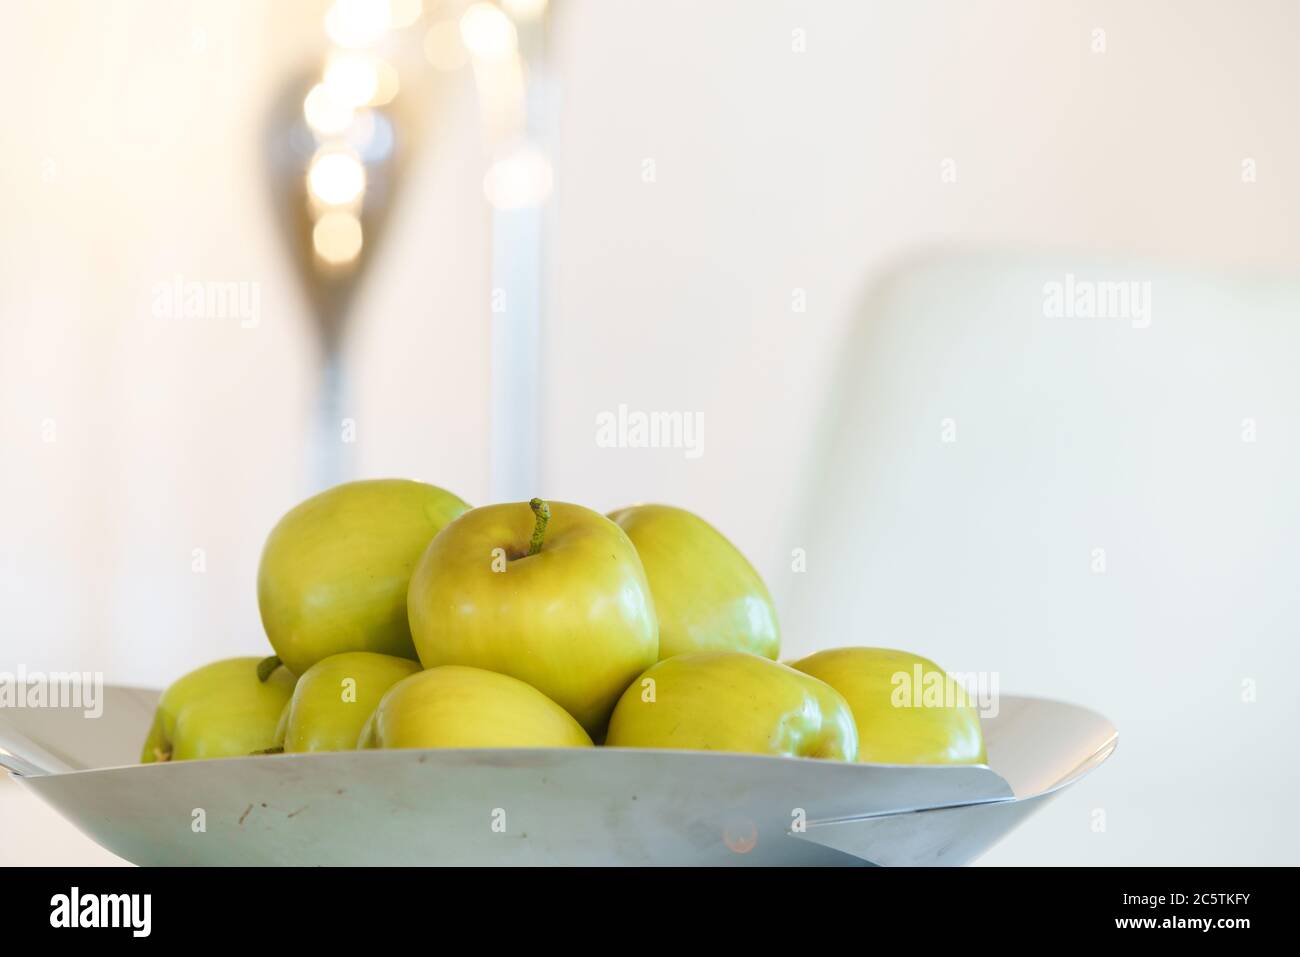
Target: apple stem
{"x": 543, "y": 513}
{"x": 266, "y": 667}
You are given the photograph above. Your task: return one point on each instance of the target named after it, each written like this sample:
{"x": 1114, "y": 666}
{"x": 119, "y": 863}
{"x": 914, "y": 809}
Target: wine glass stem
{"x": 334, "y": 429}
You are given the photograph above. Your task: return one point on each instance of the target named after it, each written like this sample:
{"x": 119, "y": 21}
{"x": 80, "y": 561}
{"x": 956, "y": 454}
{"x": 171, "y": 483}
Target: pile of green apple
{"x": 402, "y": 618}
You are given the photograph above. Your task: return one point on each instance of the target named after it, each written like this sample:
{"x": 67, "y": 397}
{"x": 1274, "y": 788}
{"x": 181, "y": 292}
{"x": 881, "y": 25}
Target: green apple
{"x": 334, "y": 570}
{"x": 733, "y": 701}
{"x": 707, "y": 596}
{"x": 553, "y": 595}
{"x": 335, "y": 697}
{"x": 907, "y": 709}
{"x": 218, "y": 711}
{"x": 456, "y": 707}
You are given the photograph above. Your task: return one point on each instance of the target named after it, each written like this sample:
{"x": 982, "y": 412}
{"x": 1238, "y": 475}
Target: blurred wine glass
{"x": 338, "y": 136}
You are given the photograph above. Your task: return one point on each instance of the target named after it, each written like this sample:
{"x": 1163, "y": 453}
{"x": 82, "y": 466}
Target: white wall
{"x": 137, "y": 157}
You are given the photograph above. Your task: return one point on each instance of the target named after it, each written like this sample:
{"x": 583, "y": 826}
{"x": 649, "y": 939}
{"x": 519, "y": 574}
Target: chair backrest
{"x": 1083, "y": 476}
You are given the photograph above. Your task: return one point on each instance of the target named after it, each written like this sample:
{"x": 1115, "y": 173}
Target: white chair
{"x": 1103, "y": 510}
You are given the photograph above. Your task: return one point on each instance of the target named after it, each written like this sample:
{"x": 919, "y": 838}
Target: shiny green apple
{"x": 553, "y": 595}
{"x": 335, "y": 697}
{"x": 733, "y": 701}
{"x": 907, "y": 709}
{"x": 218, "y": 711}
{"x": 456, "y": 707}
{"x": 334, "y": 571}
{"x": 707, "y": 596}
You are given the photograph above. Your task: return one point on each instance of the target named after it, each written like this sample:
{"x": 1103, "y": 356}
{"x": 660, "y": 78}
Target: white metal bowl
{"x": 541, "y": 806}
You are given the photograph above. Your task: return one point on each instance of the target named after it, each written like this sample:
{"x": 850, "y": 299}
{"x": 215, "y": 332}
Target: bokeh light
{"x": 519, "y": 180}
{"x": 487, "y": 32}
{"x": 336, "y": 178}
{"x": 337, "y": 238}
{"x": 325, "y": 114}
{"x": 403, "y": 13}
{"x": 352, "y": 78}
{"x": 524, "y": 9}
{"x": 358, "y": 23}
{"x": 387, "y": 83}
{"x": 371, "y": 136}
